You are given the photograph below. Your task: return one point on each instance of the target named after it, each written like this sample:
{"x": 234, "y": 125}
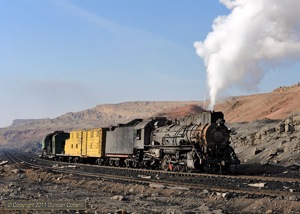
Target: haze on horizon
{"x": 61, "y": 56}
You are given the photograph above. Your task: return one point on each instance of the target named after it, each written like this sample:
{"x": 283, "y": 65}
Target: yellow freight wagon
{"x": 86, "y": 145}
{"x": 96, "y": 142}
{"x": 73, "y": 145}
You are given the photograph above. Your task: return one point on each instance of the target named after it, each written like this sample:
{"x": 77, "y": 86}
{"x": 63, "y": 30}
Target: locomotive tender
{"x": 197, "y": 142}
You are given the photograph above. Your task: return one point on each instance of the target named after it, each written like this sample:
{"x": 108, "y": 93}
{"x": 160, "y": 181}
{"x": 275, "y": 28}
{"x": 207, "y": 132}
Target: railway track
{"x": 253, "y": 185}
{"x": 183, "y": 174}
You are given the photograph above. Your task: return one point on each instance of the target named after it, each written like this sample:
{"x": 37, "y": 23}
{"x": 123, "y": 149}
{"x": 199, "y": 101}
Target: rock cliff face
{"x": 269, "y": 141}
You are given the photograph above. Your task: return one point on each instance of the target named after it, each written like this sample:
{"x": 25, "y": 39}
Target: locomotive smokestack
{"x": 257, "y": 36}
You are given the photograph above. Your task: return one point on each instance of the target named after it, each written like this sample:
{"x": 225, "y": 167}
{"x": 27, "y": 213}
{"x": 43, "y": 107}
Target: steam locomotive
{"x": 198, "y": 142}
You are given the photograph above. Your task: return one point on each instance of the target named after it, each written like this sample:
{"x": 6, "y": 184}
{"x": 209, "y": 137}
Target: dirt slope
{"x": 278, "y": 104}
{"x": 181, "y": 111}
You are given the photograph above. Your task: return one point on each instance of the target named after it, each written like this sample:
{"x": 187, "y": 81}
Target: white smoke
{"x": 257, "y": 35}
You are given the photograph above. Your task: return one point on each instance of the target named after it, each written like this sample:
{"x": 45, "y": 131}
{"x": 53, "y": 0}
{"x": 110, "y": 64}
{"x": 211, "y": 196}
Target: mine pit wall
{"x": 274, "y": 142}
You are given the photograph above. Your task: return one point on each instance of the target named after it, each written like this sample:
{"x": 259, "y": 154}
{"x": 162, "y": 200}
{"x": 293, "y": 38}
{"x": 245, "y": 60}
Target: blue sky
{"x": 62, "y": 56}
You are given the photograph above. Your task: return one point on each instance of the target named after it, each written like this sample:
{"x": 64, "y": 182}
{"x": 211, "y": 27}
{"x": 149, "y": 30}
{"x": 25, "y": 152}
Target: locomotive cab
{"x": 144, "y": 131}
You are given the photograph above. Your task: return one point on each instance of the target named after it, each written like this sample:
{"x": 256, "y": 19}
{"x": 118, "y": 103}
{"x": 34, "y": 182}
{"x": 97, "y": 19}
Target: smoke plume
{"x": 256, "y": 36}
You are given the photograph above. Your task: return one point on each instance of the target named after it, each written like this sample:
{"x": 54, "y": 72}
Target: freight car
{"x": 197, "y": 142}
{"x": 53, "y": 144}
{"x": 84, "y": 146}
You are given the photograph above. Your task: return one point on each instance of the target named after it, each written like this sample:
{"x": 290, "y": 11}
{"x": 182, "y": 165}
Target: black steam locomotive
{"x": 198, "y": 142}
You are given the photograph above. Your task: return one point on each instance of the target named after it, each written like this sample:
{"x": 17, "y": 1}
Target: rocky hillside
{"x": 268, "y": 141}
{"x": 279, "y": 104}
{"x": 181, "y": 111}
